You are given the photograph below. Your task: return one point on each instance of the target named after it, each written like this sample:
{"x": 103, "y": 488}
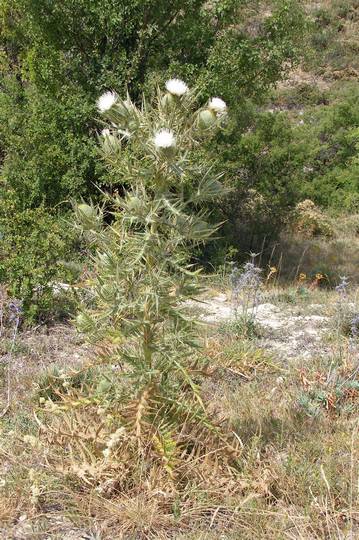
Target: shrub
{"x": 51, "y": 74}
{"x": 262, "y": 176}
{"x": 330, "y": 176}
{"x": 308, "y": 220}
{"x": 34, "y": 252}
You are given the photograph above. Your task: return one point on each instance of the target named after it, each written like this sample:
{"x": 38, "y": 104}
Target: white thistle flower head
{"x": 164, "y": 139}
{"x": 105, "y": 133}
{"x": 176, "y": 87}
{"x": 106, "y": 101}
{"x": 217, "y": 105}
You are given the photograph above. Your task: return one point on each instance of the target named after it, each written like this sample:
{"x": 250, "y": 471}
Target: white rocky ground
{"x": 287, "y": 334}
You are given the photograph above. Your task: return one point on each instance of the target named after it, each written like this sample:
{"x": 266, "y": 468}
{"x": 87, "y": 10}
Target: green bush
{"x": 53, "y": 73}
{"x": 35, "y": 251}
{"x": 261, "y": 170}
{"x": 282, "y": 158}
{"x": 330, "y": 176}
{"x": 59, "y": 57}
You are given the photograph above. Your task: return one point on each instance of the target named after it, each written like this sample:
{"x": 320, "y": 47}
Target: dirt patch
{"x": 37, "y": 350}
{"x": 287, "y": 334}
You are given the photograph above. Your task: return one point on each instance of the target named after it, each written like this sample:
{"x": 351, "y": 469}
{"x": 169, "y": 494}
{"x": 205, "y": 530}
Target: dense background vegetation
{"x": 283, "y": 143}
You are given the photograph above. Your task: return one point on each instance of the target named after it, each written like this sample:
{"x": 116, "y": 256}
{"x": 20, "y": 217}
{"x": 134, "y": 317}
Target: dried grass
{"x": 297, "y": 476}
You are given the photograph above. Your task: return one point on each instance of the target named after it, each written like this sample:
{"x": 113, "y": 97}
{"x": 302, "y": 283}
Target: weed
{"x": 346, "y": 317}
{"x": 243, "y": 327}
{"x": 329, "y": 392}
{"x": 246, "y": 285}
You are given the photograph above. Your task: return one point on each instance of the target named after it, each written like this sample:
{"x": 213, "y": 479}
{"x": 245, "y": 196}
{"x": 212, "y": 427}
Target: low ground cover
{"x": 290, "y": 395}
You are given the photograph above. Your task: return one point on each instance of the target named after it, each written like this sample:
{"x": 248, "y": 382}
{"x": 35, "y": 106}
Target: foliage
{"x": 283, "y": 158}
{"x": 57, "y": 58}
{"x": 330, "y": 177}
{"x": 252, "y": 51}
{"x": 332, "y": 39}
{"x": 34, "y": 253}
{"x": 329, "y": 393}
{"x": 53, "y": 71}
{"x": 309, "y": 221}
{"x": 261, "y": 168}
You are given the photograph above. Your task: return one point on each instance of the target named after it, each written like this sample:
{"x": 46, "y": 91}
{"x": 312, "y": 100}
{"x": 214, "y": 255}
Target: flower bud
{"x": 134, "y": 204}
{"x": 206, "y": 119}
{"x": 125, "y": 115}
{"x": 168, "y": 100}
{"x": 110, "y": 143}
{"x": 86, "y": 211}
{"x": 108, "y": 292}
{"x": 87, "y": 216}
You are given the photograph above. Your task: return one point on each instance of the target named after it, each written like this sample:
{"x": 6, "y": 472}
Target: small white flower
{"x": 164, "y": 139}
{"x": 176, "y": 87}
{"x": 105, "y": 133}
{"x": 217, "y": 105}
{"x": 106, "y": 453}
{"x": 106, "y": 101}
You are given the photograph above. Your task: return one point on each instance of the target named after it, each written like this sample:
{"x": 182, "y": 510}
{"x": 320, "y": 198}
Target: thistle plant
{"x": 246, "y": 286}
{"x": 143, "y": 274}
{"x": 346, "y": 316}
{"x": 342, "y": 288}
